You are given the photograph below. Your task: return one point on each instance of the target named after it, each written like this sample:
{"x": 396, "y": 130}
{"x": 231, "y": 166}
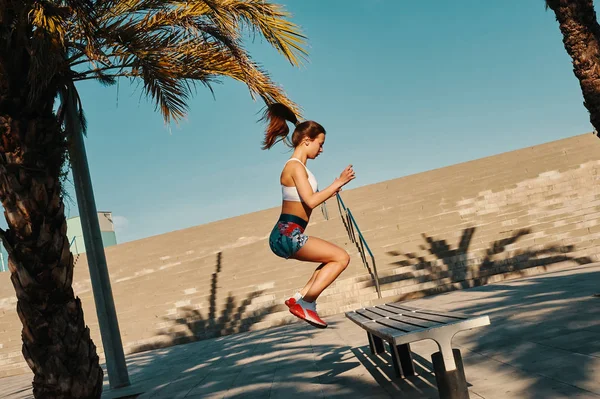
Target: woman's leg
{"x": 312, "y": 279}
{"x": 334, "y": 261}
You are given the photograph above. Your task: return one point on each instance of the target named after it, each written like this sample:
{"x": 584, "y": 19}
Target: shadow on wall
{"x": 190, "y": 324}
{"x": 456, "y": 266}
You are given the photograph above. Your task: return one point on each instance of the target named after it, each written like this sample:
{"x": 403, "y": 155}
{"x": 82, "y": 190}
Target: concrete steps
{"x": 531, "y": 211}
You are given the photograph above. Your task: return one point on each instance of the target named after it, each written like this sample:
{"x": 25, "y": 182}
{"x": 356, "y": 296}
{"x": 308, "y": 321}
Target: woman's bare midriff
{"x": 296, "y": 208}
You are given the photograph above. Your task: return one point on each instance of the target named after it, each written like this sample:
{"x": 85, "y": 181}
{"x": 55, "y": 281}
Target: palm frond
{"x": 50, "y": 18}
{"x": 271, "y": 20}
{"x": 85, "y": 14}
{"x": 207, "y": 63}
{"x": 172, "y": 45}
{"x": 169, "y": 92}
{"x": 110, "y": 9}
{"x": 70, "y": 112}
{"x": 105, "y": 79}
{"x": 230, "y": 16}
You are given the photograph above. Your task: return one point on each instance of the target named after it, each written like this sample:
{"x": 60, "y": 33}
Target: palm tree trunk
{"x": 56, "y": 341}
{"x": 581, "y": 37}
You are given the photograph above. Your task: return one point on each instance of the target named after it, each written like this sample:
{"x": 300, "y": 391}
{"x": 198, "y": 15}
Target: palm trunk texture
{"x": 581, "y": 37}
{"x": 56, "y": 341}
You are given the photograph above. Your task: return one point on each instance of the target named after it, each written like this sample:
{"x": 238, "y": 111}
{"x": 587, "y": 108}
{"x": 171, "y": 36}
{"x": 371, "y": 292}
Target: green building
{"x": 75, "y": 233}
{"x": 3, "y": 259}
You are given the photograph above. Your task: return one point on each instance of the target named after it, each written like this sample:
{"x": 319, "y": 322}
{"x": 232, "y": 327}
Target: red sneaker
{"x": 307, "y": 312}
{"x": 290, "y": 302}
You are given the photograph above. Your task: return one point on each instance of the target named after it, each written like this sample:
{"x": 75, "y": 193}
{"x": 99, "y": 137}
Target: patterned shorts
{"x": 288, "y": 236}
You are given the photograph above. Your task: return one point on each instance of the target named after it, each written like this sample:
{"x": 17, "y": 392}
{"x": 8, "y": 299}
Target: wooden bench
{"x": 399, "y": 325}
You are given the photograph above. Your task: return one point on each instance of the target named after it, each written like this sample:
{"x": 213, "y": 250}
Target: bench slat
{"x": 382, "y": 327}
{"x": 399, "y": 305}
{"x": 377, "y": 313}
{"x": 382, "y": 331}
{"x": 418, "y": 315}
{"x": 394, "y": 310}
{"x": 423, "y": 324}
{"x": 367, "y": 314}
{"x": 410, "y": 323}
{"x": 358, "y": 318}
{"x": 454, "y": 315}
{"x": 429, "y": 317}
{"x": 407, "y": 328}
{"x": 426, "y": 316}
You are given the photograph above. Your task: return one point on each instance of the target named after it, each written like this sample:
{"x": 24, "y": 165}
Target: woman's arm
{"x": 312, "y": 199}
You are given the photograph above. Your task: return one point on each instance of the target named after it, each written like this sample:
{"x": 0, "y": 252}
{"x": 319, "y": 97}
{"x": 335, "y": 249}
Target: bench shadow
{"x": 380, "y": 366}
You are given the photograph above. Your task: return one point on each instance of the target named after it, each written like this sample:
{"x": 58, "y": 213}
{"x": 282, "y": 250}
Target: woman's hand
{"x": 345, "y": 177}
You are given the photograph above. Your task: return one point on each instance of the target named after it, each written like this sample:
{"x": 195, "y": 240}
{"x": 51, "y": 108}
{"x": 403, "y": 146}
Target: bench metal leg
{"x": 402, "y": 359}
{"x": 452, "y": 384}
{"x": 375, "y": 344}
{"x": 396, "y": 360}
{"x": 408, "y": 368}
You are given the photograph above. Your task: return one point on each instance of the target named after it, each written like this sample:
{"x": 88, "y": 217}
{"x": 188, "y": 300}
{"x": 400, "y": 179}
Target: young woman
{"x": 300, "y": 197}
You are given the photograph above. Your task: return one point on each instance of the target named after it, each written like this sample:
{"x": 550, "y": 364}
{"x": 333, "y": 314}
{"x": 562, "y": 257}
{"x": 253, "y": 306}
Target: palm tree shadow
{"x": 192, "y": 325}
{"x": 458, "y": 268}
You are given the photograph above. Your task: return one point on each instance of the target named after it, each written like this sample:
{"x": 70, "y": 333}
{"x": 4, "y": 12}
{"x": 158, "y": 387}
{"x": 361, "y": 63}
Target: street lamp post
{"x": 92, "y": 237}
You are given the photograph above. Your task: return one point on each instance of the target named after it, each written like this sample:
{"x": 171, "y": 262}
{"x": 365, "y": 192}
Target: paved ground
{"x": 544, "y": 342}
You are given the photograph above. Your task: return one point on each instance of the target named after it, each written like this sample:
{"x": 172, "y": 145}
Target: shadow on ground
{"x": 547, "y": 326}
{"x": 281, "y": 362}
{"x": 543, "y": 341}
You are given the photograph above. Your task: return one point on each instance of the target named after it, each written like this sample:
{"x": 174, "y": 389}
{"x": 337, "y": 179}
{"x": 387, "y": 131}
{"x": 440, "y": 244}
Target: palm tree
{"x": 581, "y": 37}
{"x": 46, "y": 46}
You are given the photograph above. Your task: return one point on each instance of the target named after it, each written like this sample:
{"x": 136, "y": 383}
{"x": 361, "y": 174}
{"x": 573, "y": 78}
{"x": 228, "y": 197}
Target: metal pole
{"x": 324, "y": 210}
{"x": 376, "y": 276}
{"x": 350, "y": 226}
{"x": 105, "y": 306}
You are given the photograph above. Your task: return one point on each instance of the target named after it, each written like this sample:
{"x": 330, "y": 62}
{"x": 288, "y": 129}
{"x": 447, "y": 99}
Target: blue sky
{"x": 400, "y": 86}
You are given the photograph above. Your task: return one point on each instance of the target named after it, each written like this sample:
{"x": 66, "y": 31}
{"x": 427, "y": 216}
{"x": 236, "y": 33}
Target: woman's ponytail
{"x": 277, "y": 115}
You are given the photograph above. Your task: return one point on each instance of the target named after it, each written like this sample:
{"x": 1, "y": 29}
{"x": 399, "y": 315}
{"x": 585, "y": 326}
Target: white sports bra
{"x": 291, "y": 193}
